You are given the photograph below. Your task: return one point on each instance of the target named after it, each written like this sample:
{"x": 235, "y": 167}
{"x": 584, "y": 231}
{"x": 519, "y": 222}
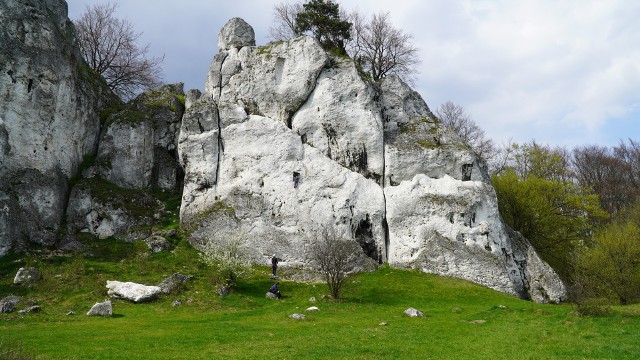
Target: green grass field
{"x": 463, "y": 320}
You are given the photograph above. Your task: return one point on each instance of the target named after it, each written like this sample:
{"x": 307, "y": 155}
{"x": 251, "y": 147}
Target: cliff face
{"x": 287, "y": 140}
{"x": 48, "y": 118}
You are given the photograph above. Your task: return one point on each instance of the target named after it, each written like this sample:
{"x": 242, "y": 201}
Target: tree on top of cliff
{"x": 109, "y": 46}
{"x": 382, "y": 49}
{"x": 322, "y": 19}
{"x": 374, "y": 43}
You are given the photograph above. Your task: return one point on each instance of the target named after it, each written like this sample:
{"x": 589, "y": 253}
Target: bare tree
{"x": 109, "y": 45}
{"x": 455, "y": 117}
{"x": 284, "y": 15}
{"x": 382, "y": 49}
{"x": 335, "y": 258}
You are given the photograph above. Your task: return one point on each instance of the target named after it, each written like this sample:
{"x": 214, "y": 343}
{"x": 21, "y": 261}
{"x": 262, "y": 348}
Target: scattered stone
{"x": 456, "y": 309}
{"x": 312, "y": 299}
{"x": 384, "y": 323}
{"x": 411, "y": 312}
{"x": 157, "y": 243}
{"x": 173, "y": 283}
{"x": 298, "y": 316}
{"x": 223, "y": 291}
{"x": 27, "y": 276}
{"x": 71, "y": 313}
{"x": 35, "y": 308}
{"x": 271, "y": 295}
{"x": 100, "y": 309}
{"x": 313, "y": 308}
{"x": 176, "y": 303}
{"x": 133, "y": 292}
{"x": 8, "y": 304}
{"x": 189, "y": 300}
{"x": 478, "y": 321}
{"x": 502, "y": 307}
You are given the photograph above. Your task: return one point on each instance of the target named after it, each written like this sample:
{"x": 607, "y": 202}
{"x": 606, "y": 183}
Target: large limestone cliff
{"x": 287, "y": 140}
{"x": 48, "y": 118}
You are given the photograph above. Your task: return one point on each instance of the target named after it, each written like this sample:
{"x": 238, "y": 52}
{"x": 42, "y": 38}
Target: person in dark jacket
{"x": 275, "y": 289}
{"x": 274, "y": 265}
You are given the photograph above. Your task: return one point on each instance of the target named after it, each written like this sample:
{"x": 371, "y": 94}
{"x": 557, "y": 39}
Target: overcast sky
{"x": 563, "y": 73}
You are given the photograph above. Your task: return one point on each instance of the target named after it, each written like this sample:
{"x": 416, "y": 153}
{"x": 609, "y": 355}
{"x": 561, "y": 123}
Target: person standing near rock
{"x": 274, "y": 265}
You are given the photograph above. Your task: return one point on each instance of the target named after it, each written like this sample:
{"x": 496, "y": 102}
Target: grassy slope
{"x": 245, "y": 325}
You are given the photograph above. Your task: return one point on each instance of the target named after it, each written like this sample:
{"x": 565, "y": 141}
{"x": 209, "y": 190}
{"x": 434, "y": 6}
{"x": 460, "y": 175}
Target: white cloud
{"x": 562, "y": 72}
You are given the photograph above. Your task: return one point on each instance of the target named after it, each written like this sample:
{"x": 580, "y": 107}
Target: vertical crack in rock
{"x": 220, "y": 144}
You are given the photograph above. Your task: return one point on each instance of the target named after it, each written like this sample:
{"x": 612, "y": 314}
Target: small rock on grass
{"x": 313, "y": 308}
{"x": 298, "y": 316}
{"x": 101, "y": 309}
{"x": 411, "y": 312}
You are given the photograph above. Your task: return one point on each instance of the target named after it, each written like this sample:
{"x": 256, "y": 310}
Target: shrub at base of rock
{"x": 8, "y": 304}
{"x": 27, "y": 276}
{"x": 101, "y": 309}
{"x": 411, "y": 312}
{"x": 133, "y": 292}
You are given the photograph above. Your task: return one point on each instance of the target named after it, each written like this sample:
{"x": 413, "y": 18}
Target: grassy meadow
{"x": 463, "y": 320}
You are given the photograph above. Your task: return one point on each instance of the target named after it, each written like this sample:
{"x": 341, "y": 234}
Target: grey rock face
{"x": 48, "y": 119}
{"x": 102, "y": 209}
{"x": 138, "y": 148}
{"x": 236, "y": 33}
{"x": 287, "y": 140}
{"x": 101, "y": 309}
{"x": 133, "y": 292}
{"x": 27, "y": 276}
{"x": 8, "y": 304}
{"x": 157, "y": 243}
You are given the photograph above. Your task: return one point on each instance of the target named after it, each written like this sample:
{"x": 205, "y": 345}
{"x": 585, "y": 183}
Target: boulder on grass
{"x": 298, "y": 316}
{"x": 101, "y": 309}
{"x": 271, "y": 295}
{"x": 133, "y": 292}
{"x": 35, "y": 308}
{"x": 173, "y": 283}
{"x": 411, "y": 312}
{"x": 8, "y": 304}
{"x": 27, "y": 276}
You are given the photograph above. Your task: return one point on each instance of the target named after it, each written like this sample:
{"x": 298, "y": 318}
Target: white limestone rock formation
{"x": 236, "y": 33}
{"x": 131, "y": 291}
{"x": 287, "y": 141}
{"x": 138, "y": 147}
{"x": 48, "y": 120}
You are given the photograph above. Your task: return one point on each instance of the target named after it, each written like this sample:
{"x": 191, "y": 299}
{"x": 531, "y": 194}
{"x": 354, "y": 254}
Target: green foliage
{"x": 229, "y": 260}
{"x": 553, "y": 215}
{"x": 245, "y": 325}
{"x": 611, "y": 266}
{"x": 322, "y": 19}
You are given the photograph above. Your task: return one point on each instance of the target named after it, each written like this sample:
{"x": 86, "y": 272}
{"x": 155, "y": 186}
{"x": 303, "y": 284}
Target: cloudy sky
{"x": 563, "y": 73}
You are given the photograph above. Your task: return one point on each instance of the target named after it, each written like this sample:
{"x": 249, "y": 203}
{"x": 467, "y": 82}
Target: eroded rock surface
{"x": 287, "y": 140}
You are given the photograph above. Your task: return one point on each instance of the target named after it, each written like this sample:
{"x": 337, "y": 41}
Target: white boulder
{"x": 133, "y": 292}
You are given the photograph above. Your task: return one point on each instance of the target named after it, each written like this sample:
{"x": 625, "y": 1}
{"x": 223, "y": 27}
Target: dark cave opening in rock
{"x": 364, "y": 236}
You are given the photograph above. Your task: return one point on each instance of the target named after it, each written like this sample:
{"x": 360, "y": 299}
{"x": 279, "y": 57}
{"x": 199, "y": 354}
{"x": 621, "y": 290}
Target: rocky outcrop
{"x": 48, "y": 118}
{"x": 103, "y": 209}
{"x": 138, "y": 145}
{"x": 287, "y": 141}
